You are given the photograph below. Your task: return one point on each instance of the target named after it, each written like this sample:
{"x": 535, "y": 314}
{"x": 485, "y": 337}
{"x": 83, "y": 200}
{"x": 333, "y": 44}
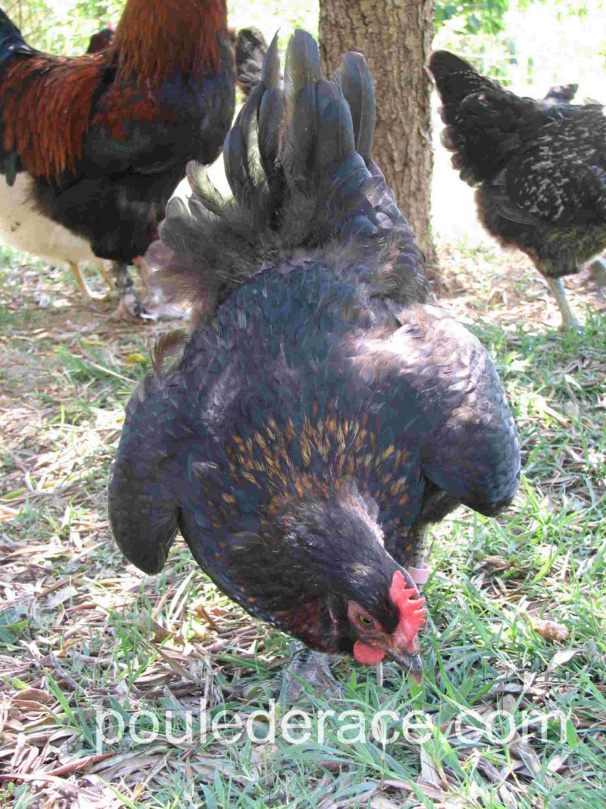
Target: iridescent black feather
{"x": 297, "y": 182}
{"x": 306, "y": 436}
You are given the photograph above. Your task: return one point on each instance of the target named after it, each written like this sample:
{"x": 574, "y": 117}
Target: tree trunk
{"x": 395, "y": 38}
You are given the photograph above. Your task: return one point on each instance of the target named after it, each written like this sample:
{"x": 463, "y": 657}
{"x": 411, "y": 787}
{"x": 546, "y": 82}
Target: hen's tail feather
{"x": 243, "y": 167}
{"x": 203, "y": 188}
{"x": 297, "y": 182}
{"x": 355, "y": 80}
{"x": 250, "y": 151}
{"x": 302, "y": 71}
{"x": 302, "y": 68}
{"x": 271, "y": 111}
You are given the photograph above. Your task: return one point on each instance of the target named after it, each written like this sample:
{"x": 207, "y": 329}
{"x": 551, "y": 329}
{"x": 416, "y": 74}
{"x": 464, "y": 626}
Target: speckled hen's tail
{"x": 483, "y": 120}
{"x": 299, "y": 164}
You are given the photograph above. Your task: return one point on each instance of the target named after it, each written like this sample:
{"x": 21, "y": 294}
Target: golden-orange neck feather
{"x": 155, "y": 39}
{"x": 46, "y": 100}
{"x": 46, "y": 103}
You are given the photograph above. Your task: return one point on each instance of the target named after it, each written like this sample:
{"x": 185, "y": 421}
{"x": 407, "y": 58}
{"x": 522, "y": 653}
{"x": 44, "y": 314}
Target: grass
{"x": 82, "y": 633}
{"x": 518, "y": 603}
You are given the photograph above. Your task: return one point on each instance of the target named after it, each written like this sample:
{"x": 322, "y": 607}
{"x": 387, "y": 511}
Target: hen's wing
{"x": 559, "y": 177}
{"x": 145, "y": 475}
{"x": 438, "y": 376}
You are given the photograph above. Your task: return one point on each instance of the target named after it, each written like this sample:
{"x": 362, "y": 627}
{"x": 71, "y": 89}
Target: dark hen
{"x": 540, "y": 169}
{"x": 303, "y": 442}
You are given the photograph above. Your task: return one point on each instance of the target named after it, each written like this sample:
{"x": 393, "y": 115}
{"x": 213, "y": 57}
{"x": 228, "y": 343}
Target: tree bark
{"x": 395, "y": 37}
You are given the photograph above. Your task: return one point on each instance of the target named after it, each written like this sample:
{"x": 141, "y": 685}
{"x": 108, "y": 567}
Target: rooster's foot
{"x": 83, "y": 286}
{"x": 130, "y": 303}
{"x": 309, "y": 670}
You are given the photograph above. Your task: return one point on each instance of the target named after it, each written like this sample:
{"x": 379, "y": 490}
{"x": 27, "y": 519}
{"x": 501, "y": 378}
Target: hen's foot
{"x": 309, "y": 671}
{"x": 569, "y": 319}
{"x": 598, "y": 273}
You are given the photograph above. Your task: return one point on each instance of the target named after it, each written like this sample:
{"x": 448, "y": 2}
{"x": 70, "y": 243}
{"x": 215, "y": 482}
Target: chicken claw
{"x": 309, "y": 668}
{"x": 130, "y": 303}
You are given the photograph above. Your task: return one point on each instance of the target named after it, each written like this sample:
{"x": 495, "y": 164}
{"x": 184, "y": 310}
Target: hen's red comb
{"x": 412, "y": 610}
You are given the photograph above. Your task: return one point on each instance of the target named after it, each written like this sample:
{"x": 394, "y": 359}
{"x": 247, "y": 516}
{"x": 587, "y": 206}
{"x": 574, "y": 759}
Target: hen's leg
{"x": 407, "y": 546}
{"x": 569, "y": 320}
{"x": 309, "y": 668}
{"x": 84, "y": 288}
{"x": 598, "y": 273}
{"x": 130, "y": 304}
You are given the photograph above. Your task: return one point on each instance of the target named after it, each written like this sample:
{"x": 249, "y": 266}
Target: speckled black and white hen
{"x": 321, "y": 415}
{"x": 540, "y": 169}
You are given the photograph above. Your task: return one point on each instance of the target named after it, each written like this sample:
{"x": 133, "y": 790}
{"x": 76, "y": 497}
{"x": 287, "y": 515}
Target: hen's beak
{"x": 410, "y": 663}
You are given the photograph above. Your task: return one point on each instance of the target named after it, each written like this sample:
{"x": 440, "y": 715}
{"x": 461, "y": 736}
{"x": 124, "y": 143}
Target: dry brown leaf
{"x": 61, "y": 596}
{"x": 561, "y": 657}
{"x": 525, "y": 753}
{"x": 151, "y": 628}
{"x": 24, "y": 700}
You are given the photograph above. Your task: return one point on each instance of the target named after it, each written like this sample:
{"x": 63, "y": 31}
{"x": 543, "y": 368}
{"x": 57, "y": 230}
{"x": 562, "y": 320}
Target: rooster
{"x": 320, "y": 414}
{"x": 26, "y": 229}
{"x": 92, "y": 147}
{"x": 540, "y": 169}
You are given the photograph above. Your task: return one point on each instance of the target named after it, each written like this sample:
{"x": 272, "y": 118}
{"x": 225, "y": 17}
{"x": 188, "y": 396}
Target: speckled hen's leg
{"x": 569, "y": 319}
{"x": 309, "y": 668}
{"x": 598, "y": 273}
{"x": 130, "y": 303}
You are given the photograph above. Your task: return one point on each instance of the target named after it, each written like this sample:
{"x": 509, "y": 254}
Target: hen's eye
{"x": 364, "y": 620}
